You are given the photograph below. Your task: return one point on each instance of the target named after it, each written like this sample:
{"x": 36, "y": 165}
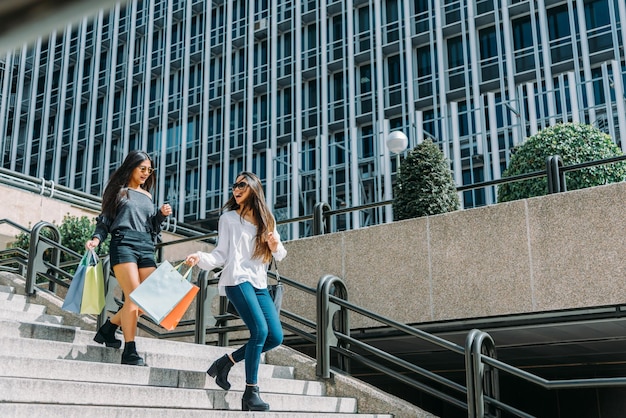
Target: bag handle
{"x": 186, "y": 275}
{"x": 89, "y": 254}
{"x": 275, "y": 263}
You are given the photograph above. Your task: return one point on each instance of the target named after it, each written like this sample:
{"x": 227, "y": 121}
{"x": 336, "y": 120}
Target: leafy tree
{"x": 574, "y": 143}
{"x": 424, "y": 184}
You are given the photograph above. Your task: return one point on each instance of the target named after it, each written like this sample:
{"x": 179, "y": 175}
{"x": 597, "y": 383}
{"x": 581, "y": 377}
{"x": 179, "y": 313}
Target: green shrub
{"x": 424, "y": 184}
{"x": 574, "y": 143}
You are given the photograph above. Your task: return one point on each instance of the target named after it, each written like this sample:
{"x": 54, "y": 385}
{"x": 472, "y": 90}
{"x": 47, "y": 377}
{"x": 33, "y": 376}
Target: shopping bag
{"x": 159, "y": 294}
{"x": 173, "y": 318}
{"x": 93, "y": 290}
{"x": 74, "y": 295}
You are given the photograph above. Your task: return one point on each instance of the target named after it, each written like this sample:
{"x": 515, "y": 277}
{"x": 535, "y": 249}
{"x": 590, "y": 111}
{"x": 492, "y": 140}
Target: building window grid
{"x": 489, "y": 55}
{"x": 560, "y": 34}
{"x": 452, "y": 11}
{"x": 599, "y": 31}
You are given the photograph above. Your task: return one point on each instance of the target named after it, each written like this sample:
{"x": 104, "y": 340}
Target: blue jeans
{"x": 256, "y": 309}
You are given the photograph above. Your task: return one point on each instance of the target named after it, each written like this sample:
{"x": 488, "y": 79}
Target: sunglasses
{"x": 143, "y": 169}
{"x": 242, "y": 185}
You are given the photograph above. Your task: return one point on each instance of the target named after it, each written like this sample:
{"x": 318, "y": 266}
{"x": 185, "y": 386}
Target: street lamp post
{"x": 397, "y": 142}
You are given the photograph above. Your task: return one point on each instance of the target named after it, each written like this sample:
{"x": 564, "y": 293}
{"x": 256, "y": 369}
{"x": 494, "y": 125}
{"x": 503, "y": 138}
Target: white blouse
{"x": 235, "y": 245}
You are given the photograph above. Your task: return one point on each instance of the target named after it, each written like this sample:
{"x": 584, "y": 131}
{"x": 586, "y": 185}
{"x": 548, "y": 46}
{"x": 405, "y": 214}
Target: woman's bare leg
{"x": 127, "y": 274}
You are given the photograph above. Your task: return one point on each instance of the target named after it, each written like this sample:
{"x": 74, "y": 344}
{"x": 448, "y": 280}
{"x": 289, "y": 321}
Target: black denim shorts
{"x": 132, "y": 247}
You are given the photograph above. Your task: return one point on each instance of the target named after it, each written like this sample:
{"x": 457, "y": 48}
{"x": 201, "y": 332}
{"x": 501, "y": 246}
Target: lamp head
{"x": 397, "y": 142}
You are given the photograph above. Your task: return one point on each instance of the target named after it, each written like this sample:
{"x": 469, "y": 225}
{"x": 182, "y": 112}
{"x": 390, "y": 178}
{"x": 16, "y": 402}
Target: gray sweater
{"x": 136, "y": 213}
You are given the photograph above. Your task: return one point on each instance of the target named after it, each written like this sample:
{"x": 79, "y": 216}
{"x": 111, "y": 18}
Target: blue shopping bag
{"x": 74, "y": 296}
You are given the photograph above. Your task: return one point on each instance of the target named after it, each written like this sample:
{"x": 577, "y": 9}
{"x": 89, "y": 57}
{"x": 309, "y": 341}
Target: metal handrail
{"x": 14, "y": 256}
{"x": 479, "y": 359}
{"x": 15, "y": 225}
{"x": 481, "y": 365}
{"x": 48, "y": 188}
{"x": 340, "y": 342}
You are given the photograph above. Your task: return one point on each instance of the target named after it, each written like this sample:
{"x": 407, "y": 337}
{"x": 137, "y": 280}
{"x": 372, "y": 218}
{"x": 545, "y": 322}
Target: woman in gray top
{"x": 129, "y": 215}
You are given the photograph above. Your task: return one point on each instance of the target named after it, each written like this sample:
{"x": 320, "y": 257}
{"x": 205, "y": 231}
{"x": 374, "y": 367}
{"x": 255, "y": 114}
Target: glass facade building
{"x": 304, "y": 93}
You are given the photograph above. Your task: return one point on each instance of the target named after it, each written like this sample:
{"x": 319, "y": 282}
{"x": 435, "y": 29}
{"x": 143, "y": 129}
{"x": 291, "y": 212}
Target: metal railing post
{"x": 325, "y": 313}
{"x": 35, "y": 255}
{"x": 204, "y": 317}
{"x": 200, "y": 331}
{"x": 482, "y": 382}
{"x": 320, "y": 218}
{"x": 556, "y": 176}
{"x": 469, "y": 373}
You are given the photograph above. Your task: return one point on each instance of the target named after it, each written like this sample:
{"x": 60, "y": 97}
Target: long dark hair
{"x": 255, "y": 205}
{"x": 116, "y": 191}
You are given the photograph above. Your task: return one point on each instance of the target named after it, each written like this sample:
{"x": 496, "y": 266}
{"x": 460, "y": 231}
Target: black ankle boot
{"x": 106, "y": 335}
{"x": 251, "y": 401}
{"x": 130, "y": 356}
{"x": 220, "y": 369}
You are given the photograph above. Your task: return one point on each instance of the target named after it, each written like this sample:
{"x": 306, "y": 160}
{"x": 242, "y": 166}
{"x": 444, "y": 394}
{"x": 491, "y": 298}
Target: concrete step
{"x": 13, "y": 311}
{"x": 55, "y": 370}
{"x": 6, "y": 289}
{"x": 25, "y": 390}
{"x": 83, "y": 371}
{"x": 75, "y": 411}
{"x": 161, "y": 353}
{"x": 19, "y": 303}
{"x": 30, "y": 316}
{"x": 38, "y": 349}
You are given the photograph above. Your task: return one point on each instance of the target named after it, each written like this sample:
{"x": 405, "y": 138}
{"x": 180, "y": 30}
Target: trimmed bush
{"x": 574, "y": 143}
{"x": 424, "y": 184}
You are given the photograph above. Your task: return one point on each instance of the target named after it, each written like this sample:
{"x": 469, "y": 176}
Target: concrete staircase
{"x": 51, "y": 369}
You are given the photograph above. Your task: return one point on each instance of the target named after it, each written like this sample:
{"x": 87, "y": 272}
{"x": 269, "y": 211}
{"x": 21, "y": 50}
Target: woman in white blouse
{"x": 247, "y": 241}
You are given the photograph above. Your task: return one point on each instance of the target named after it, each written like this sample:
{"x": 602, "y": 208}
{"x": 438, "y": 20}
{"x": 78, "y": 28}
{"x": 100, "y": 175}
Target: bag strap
{"x": 186, "y": 275}
{"x": 275, "y": 263}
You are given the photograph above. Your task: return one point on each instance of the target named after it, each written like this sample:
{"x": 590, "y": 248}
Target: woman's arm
{"x": 219, "y": 255}
{"x": 103, "y": 224}
{"x": 276, "y": 246}
{"x": 159, "y": 217}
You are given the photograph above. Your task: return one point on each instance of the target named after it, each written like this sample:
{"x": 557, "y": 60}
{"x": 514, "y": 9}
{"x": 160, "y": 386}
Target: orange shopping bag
{"x": 172, "y": 319}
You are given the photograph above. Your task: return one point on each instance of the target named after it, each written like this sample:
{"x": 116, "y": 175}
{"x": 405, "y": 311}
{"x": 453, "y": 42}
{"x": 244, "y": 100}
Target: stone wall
{"x": 554, "y": 252}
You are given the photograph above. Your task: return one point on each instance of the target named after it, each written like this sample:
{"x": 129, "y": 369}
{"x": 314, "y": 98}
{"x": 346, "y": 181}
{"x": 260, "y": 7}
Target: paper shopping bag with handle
{"x": 173, "y": 318}
{"x": 93, "y": 290}
{"x": 74, "y": 295}
{"x": 159, "y": 294}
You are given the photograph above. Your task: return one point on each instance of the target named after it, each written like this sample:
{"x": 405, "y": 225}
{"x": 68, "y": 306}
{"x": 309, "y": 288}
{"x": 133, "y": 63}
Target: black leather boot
{"x": 251, "y": 401}
{"x": 220, "y": 369}
{"x": 106, "y": 335}
{"x": 130, "y": 356}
